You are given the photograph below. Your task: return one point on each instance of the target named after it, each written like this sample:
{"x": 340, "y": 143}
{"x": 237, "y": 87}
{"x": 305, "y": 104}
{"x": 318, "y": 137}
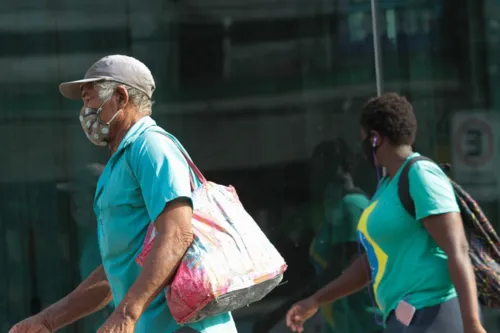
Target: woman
{"x": 421, "y": 273}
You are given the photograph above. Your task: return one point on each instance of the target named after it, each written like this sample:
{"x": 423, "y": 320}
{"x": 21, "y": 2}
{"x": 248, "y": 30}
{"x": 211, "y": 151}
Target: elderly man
{"x": 146, "y": 179}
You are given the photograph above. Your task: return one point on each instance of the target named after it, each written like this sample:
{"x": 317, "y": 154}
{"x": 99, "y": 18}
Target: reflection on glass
{"x": 81, "y": 191}
{"x": 335, "y": 244}
{"x": 250, "y": 89}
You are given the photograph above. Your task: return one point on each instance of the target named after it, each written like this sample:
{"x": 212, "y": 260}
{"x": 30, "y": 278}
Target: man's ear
{"x": 123, "y": 97}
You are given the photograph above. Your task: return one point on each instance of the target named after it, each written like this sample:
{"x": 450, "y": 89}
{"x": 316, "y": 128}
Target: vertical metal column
{"x": 379, "y": 80}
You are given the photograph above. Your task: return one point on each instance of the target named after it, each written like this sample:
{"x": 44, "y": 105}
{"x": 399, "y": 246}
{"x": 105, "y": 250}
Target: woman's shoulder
{"x": 427, "y": 177}
{"x": 431, "y": 190}
{"x": 426, "y": 169}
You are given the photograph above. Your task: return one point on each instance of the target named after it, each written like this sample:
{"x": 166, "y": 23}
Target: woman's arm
{"x": 448, "y": 232}
{"x": 353, "y": 279}
{"x": 266, "y": 323}
{"x": 437, "y": 208}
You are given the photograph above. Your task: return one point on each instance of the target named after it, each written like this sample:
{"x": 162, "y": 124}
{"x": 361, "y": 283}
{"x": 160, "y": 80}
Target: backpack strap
{"x": 404, "y": 185}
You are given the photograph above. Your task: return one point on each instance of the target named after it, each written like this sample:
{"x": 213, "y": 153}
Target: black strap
{"x": 404, "y": 185}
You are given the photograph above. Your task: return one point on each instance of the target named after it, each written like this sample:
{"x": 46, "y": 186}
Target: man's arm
{"x": 163, "y": 176}
{"x": 174, "y": 237}
{"x": 92, "y": 295}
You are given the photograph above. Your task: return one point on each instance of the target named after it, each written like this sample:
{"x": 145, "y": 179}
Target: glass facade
{"x": 256, "y": 91}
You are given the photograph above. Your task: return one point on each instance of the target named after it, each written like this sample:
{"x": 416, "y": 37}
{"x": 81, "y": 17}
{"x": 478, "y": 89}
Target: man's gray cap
{"x": 118, "y": 68}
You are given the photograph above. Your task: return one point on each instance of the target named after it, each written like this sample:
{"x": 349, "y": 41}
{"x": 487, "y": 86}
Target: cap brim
{"x": 73, "y": 89}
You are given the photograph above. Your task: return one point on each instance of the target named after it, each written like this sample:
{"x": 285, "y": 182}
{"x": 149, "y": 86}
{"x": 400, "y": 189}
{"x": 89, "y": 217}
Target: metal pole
{"x": 377, "y": 56}
{"x": 376, "y": 48}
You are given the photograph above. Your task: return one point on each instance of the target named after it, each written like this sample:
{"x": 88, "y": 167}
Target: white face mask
{"x": 97, "y": 131}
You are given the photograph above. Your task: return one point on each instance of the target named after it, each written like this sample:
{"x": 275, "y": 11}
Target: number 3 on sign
{"x": 474, "y": 143}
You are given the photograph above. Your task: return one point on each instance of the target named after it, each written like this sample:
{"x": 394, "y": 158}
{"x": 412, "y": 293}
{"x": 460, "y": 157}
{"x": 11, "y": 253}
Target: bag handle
{"x": 193, "y": 167}
{"x": 189, "y": 161}
{"x": 197, "y": 173}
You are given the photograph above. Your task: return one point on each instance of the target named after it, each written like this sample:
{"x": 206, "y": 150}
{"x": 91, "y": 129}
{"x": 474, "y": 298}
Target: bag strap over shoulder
{"x": 195, "y": 171}
{"x": 188, "y": 159}
{"x": 404, "y": 185}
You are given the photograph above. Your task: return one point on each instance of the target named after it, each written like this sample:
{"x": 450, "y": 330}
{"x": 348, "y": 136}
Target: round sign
{"x": 474, "y": 142}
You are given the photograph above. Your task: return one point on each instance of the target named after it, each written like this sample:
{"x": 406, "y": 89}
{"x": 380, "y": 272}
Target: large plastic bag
{"x": 230, "y": 264}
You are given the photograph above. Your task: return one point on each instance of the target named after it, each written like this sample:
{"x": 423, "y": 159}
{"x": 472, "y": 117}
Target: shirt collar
{"x": 135, "y": 131}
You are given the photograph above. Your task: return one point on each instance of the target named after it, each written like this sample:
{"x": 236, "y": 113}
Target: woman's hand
{"x": 474, "y": 327}
{"x": 299, "y": 313}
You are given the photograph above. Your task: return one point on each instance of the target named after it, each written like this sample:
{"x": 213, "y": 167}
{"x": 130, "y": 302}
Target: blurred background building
{"x": 250, "y": 88}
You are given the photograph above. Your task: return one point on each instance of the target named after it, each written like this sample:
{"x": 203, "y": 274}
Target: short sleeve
{"x": 431, "y": 190}
{"x": 161, "y": 170}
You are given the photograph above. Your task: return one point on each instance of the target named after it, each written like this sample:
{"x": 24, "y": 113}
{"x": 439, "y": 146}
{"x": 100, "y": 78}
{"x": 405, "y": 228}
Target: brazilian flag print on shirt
{"x": 405, "y": 261}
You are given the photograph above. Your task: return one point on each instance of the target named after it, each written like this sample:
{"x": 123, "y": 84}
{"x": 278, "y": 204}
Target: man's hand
{"x": 117, "y": 323}
{"x": 34, "y": 324}
{"x": 90, "y": 296}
